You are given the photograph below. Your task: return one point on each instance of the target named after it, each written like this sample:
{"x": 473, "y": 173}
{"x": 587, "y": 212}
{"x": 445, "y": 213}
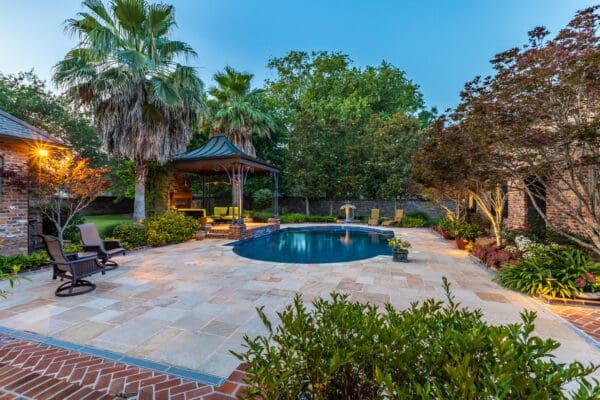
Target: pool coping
{"x": 179, "y": 372}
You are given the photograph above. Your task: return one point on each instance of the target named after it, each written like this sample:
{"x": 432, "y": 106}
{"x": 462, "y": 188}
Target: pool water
{"x": 316, "y": 245}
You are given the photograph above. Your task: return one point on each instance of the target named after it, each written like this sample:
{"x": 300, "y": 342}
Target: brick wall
{"x": 14, "y": 201}
{"x": 517, "y": 207}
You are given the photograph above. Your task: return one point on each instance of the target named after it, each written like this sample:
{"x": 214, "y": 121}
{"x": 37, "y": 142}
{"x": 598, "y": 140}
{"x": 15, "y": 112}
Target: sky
{"x": 441, "y": 44}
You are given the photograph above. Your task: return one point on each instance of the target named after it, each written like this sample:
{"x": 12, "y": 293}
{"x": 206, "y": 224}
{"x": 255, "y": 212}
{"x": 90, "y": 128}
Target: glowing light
{"x": 42, "y": 152}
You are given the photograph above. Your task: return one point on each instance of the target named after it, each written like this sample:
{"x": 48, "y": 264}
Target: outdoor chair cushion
{"x": 220, "y": 211}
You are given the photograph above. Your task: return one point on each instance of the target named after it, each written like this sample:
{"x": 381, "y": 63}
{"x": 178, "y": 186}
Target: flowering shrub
{"x": 527, "y": 247}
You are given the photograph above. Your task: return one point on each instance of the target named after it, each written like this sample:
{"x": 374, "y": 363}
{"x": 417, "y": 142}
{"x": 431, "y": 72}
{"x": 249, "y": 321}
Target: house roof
{"x": 216, "y": 154}
{"x": 13, "y": 127}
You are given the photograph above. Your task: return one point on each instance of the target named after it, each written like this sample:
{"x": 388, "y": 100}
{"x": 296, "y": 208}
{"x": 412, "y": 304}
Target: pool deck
{"x": 187, "y": 305}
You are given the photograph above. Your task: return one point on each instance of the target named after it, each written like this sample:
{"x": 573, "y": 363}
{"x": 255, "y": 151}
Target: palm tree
{"x": 235, "y": 109}
{"x": 125, "y": 70}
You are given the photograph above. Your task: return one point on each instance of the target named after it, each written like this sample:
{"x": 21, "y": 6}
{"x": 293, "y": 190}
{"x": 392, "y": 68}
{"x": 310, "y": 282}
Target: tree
{"x": 457, "y": 165}
{"x": 124, "y": 69}
{"x": 539, "y": 118}
{"x": 332, "y": 110}
{"x": 64, "y": 185}
{"x": 235, "y": 109}
{"x": 26, "y": 97}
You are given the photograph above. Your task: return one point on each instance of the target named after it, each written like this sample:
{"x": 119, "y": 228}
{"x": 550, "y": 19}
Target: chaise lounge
{"x": 71, "y": 267}
{"x": 106, "y": 249}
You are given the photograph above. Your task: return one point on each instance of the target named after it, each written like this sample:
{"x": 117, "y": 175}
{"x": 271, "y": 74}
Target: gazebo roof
{"x": 216, "y": 155}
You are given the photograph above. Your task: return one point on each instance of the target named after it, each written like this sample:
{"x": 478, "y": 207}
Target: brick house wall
{"x": 519, "y": 203}
{"x": 14, "y": 199}
{"x": 517, "y": 207}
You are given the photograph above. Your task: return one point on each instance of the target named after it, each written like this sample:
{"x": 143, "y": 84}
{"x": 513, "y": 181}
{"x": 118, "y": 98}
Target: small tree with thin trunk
{"x": 454, "y": 164}
{"x": 63, "y": 186}
{"x": 539, "y": 116}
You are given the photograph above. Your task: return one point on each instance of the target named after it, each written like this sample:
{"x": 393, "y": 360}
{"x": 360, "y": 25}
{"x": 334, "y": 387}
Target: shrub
{"x": 413, "y": 222}
{"x": 131, "y": 235}
{"x": 262, "y": 199}
{"x": 71, "y": 248}
{"x": 169, "y": 228}
{"x": 259, "y": 216}
{"x": 20, "y": 262}
{"x": 467, "y": 231}
{"x": 495, "y": 257}
{"x": 345, "y": 350}
{"x": 297, "y": 218}
{"x": 556, "y": 272}
{"x": 419, "y": 214}
{"x": 447, "y": 224}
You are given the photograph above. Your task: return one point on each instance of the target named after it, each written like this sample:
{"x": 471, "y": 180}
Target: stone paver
{"x": 189, "y": 304}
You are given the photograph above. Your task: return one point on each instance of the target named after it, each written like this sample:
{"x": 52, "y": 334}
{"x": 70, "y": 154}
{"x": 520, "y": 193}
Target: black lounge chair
{"x": 106, "y": 249}
{"x": 71, "y": 267}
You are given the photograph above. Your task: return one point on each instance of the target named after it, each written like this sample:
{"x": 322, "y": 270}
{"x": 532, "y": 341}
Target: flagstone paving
{"x": 188, "y": 305}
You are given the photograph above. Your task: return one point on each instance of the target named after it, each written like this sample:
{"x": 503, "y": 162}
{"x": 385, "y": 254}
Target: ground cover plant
{"x": 339, "y": 349}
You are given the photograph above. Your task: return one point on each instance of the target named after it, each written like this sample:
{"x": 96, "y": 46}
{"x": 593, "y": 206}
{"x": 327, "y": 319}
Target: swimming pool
{"x": 320, "y": 244}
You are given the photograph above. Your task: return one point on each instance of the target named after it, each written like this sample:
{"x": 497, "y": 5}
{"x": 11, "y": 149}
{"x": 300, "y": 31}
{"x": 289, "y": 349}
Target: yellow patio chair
{"x": 374, "y": 219}
{"x": 399, "y": 215}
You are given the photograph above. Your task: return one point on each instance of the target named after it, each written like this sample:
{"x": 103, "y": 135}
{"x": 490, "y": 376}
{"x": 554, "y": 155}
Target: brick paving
{"x": 587, "y": 319}
{"x": 31, "y": 370}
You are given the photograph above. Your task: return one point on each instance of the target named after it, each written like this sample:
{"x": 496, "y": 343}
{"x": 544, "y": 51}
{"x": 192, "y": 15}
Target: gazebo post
{"x": 275, "y": 218}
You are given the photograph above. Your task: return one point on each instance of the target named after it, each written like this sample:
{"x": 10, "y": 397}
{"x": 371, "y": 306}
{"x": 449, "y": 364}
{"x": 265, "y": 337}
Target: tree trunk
{"x": 307, "y": 205}
{"x": 139, "y": 202}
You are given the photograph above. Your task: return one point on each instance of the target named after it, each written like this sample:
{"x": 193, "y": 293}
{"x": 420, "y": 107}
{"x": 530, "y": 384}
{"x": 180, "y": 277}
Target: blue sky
{"x": 441, "y": 44}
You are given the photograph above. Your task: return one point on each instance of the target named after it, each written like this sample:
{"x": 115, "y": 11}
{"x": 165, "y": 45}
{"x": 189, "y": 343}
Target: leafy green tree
{"x": 329, "y": 106}
{"x": 25, "y": 96}
{"x": 124, "y": 69}
{"x": 235, "y": 109}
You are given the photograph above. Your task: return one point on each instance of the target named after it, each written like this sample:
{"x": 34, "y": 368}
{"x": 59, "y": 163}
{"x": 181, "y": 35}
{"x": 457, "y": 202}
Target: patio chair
{"x": 374, "y": 219}
{"x": 71, "y": 267}
{"x": 106, "y": 249}
{"x": 219, "y": 214}
{"x": 396, "y": 220}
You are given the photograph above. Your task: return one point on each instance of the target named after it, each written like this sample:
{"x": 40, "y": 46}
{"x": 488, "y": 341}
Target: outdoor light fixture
{"x": 42, "y": 152}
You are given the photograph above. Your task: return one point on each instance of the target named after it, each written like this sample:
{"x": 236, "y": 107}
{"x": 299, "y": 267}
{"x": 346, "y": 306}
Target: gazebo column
{"x": 275, "y": 218}
{"x": 238, "y": 228}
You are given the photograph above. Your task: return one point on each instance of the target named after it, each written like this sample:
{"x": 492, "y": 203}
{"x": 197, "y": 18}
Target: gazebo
{"x": 219, "y": 156}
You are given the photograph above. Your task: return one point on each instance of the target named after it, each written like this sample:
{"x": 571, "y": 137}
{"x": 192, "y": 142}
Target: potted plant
{"x": 466, "y": 233}
{"x": 589, "y": 286}
{"x": 400, "y": 249}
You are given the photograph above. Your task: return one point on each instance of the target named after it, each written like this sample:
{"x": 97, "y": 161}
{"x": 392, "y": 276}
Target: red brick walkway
{"x": 31, "y": 370}
{"x": 587, "y": 319}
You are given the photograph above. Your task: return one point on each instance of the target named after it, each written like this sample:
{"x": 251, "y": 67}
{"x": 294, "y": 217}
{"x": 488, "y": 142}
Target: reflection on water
{"x": 297, "y": 245}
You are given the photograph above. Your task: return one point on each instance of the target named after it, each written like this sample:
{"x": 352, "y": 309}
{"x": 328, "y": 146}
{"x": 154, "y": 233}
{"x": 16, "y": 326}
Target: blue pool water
{"x": 316, "y": 245}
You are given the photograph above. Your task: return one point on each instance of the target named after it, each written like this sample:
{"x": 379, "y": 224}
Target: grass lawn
{"x": 106, "y": 223}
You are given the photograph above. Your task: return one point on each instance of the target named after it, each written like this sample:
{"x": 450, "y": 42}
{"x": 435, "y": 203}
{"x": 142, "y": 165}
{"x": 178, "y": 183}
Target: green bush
{"x": 297, "y": 218}
{"x": 413, "y": 222}
{"x": 169, "y": 228}
{"x": 20, "y": 262}
{"x": 71, "y": 248}
{"x": 345, "y": 350}
{"x": 447, "y": 224}
{"x": 259, "y": 216}
{"x": 262, "y": 199}
{"x": 555, "y": 272}
{"x": 419, "y": 214}
{"x": 131, "y": 235}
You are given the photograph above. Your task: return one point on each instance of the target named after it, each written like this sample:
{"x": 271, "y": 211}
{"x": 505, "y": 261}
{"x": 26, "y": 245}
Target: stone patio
{"x": 187, "y": 305}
